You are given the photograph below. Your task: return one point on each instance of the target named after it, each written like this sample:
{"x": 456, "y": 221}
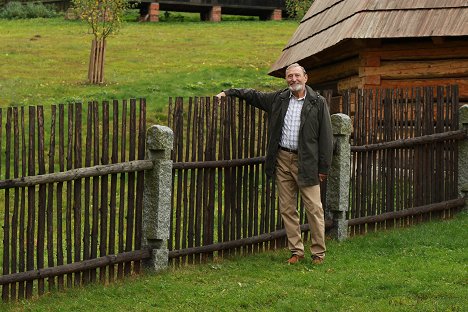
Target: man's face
{"x": 296, "y": 79}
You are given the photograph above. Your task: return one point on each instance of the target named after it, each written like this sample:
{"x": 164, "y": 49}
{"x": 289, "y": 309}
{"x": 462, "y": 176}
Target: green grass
{"x": 45, "y": 61}
{"x": 422, "y": 268}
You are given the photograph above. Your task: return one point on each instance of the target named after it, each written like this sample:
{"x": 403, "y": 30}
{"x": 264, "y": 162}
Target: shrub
{"x": 296, "y": 9}
{"x": 16, "y": 10}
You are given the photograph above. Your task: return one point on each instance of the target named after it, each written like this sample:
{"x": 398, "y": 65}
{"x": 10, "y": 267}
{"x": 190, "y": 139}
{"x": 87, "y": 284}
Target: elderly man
{"x": 299, "y": 154}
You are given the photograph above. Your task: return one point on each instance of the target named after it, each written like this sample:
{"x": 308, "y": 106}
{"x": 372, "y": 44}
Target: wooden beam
{"x": 75, "y": 174}
{"x": 371, "y": 80}
{"x": 370, "y": 60}
{"x": 351, "y": 82}
{"x": 411, "y": 142}
{"x": 239, "y": 243}
{"x": 449, "y": 204}
{"x": 219, "y": 163}
{"x": 75, "y": 267}
{"x": 418, "y": 69}
{"x": 334, "y": 71}
{"x": 405, "y": 52}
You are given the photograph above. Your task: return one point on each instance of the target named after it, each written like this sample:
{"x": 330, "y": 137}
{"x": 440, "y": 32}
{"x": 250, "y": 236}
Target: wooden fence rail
{"x": 70, "y": 164}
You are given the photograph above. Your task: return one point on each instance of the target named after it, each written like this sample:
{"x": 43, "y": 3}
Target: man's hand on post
{"x": 220, "y": 95}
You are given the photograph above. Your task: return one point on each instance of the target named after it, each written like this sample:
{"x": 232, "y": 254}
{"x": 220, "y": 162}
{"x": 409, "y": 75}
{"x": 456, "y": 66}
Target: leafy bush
{"x": 16, "y": 10}
{"x": 296, "y": 9}
{"x": 37, "y": 9}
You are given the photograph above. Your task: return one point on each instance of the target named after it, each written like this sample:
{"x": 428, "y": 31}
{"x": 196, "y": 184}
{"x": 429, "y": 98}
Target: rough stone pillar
{"x": 339, "y": 176}
{"x": 215, "y": 14}
{"x": 463, "y": 157}
{"x": 154, "y": 12}
{"x": 157, "y": 196}
{"x": 276, "y": 15}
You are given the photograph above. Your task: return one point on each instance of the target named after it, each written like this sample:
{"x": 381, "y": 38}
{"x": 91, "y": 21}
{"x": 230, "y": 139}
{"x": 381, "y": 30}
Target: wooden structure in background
{"x": 211, "y": 10}
{"x": 353, "y": 44}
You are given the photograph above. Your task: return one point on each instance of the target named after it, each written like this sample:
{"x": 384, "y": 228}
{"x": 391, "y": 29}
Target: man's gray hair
{"x": 295, "y": 65}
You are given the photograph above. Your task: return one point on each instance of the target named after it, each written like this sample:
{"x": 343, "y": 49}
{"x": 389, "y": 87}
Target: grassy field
{"x": 423, "y": 268}
{"x": 44, "y": 61}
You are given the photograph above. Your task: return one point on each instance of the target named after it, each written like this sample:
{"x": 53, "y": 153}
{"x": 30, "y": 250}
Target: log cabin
{"x": 351, "y": 44}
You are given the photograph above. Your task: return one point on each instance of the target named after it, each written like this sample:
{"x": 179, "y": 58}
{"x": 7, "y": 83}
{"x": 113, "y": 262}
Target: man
{"x": 299, "y": 154}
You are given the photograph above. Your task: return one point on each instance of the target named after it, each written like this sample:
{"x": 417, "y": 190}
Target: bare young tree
{"x": 104, "y": 17}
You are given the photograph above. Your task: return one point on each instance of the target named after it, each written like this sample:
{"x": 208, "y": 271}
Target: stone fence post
{"x": 157, "y": 197}
{"x": 339, "y": 175}
{"x": 463, "y": 157}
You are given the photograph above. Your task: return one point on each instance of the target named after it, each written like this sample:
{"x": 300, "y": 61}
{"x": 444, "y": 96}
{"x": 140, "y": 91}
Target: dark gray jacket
{"x": 315, "y": 145}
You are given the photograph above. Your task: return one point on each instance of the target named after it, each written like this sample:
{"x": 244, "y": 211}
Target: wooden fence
{"x": 72, "y": 196}
{"x": 404, "y": 153}
{"x": 73, "y": 210}
{"x": 220, "y": 192}
{"x": 404, "y": 156}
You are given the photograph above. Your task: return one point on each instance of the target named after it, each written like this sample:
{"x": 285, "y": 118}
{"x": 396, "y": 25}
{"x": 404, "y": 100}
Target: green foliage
{"x": 104, "y": 17}
{"x": 17, "y": 10}
{"x": 296, "y": 9}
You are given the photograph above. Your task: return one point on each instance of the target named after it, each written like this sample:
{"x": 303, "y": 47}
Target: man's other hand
{"x": 322, "y": 177}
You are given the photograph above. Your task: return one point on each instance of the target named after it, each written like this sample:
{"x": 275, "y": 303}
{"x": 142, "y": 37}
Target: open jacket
{"x": 315, "y": 146}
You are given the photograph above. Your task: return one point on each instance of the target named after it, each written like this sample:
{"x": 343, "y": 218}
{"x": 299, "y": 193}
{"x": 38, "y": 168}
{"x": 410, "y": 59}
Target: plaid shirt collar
{"x": 298, "y": 99}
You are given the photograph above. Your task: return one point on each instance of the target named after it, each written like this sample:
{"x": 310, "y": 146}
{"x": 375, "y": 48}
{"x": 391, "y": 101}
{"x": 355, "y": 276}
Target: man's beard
{"x": 295, "y": 87}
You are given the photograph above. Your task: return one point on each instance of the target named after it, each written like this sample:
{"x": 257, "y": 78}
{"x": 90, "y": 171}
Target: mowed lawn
{"x": 422, "y": 268}
{"x": 45, "y": 61}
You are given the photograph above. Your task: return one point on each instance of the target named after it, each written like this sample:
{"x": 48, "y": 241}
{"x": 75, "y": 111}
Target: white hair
{"x": 296, "y": 65}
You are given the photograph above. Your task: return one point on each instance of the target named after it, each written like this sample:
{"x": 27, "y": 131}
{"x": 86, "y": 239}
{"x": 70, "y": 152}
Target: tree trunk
{"x": 96, "y": 61}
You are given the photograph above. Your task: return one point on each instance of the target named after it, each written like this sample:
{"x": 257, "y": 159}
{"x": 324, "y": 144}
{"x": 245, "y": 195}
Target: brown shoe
{"x": 317, "y": 260}
{"x": 295, "y": 259}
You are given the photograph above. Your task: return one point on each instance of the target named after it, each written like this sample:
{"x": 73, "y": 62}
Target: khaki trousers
{"x": 286, "y": 178}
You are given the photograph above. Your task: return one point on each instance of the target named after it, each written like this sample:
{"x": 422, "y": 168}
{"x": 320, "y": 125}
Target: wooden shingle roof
{"x": 330, "y": 22}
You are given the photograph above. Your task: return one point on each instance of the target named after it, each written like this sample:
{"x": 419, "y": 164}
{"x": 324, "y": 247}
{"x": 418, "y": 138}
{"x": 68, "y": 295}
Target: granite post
{"x": 463, "y": 157}
{"x": 339, "y": 176}
{"x": 157, "y": 197}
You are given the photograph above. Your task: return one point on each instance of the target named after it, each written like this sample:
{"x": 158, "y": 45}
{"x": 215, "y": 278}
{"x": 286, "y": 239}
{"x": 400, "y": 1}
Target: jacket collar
{"x": 311, "y": 95}
{"x": 310, "y": 100}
